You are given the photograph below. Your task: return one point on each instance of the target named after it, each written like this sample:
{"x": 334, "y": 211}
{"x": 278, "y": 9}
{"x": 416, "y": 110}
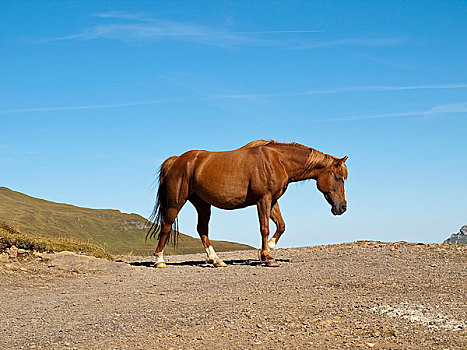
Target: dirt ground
{"x": 357, "y": 295}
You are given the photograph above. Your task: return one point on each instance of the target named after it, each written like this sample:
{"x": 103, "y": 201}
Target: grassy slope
{"x": 10, "y": 236}
{"x": 118, "y": 232}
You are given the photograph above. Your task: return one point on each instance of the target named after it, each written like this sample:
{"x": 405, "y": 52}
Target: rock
{"x": 22, "y": 251}
{"x": 459, "y": 237}
{"x": 12, "y": 251}
{"x": 4, "y": 257}
{"x": 79, "y": 263}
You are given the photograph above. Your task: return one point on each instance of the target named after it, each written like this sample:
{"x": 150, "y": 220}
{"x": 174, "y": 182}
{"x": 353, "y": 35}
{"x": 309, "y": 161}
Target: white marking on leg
{"x": 213, "y": 258}
{"x": 160, "y": 257}
{"x": 272, "y": 243}
{"x": 211, "y": 255}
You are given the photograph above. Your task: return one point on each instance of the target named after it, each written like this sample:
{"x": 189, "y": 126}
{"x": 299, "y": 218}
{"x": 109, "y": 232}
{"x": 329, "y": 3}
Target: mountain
{"x": 459, "y": 237}
{"x": 118, "y": 232}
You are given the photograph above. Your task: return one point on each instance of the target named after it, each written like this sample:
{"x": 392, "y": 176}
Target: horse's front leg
{"x": 276, "y": 217}
{"x": 264, "y": 213}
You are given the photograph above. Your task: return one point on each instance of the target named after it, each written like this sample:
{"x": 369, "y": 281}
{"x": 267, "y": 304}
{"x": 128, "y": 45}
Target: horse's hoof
{"x": 271, "y": 263}
{"x": 161, "y": 265}
{"x": 220, "y": 263}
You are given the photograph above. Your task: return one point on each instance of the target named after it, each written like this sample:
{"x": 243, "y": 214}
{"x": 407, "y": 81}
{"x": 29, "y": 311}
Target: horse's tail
{"x": 160, "y": 208}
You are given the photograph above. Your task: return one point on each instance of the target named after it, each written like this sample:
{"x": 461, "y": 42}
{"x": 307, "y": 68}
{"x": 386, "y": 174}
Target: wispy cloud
{"x": 131, "y": 27}
{"x": 159, "y": 30}
{"x": 141, "y": 27}
{"x": 451, "y": 108}
{"x": 251, "y": 96}
{"x": 345, "y": 90}
{"x": 143, "y": 17}
{"x": 385, "y": 60}
{"x": 123, "y": 15}
{"x": 73, "y": 108}
{"x": 351, "y": 42}
{"x": 283, "y": 31}
{"x": 459, "y": 107}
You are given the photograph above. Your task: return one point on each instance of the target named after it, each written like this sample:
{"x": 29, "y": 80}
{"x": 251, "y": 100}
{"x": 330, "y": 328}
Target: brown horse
{"x": 255, "y": 174}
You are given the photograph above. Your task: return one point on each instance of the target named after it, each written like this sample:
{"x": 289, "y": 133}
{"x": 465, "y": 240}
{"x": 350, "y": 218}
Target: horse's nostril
{"x": 343, "y": 207}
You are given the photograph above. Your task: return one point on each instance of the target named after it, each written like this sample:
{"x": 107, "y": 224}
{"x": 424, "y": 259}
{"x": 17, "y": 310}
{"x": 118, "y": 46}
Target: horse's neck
{"x": 294, "y": 160}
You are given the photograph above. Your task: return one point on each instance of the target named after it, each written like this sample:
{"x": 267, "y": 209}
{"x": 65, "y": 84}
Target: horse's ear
{"x": 340, "y": 161}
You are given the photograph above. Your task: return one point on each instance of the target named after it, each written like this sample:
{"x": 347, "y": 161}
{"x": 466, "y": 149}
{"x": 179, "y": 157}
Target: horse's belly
{"x": 228, "y": 189}
{"x": 224, "y": 195}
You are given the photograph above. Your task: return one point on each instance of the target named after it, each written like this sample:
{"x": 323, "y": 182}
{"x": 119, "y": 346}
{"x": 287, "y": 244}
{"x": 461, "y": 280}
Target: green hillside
{"x": 119, "y": 233}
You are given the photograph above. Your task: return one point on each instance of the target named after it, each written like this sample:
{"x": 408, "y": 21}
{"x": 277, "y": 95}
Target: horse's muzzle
{"x": 339, "y": 209}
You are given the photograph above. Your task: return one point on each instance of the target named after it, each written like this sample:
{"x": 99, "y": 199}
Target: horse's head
{"x": 330, "y": 182}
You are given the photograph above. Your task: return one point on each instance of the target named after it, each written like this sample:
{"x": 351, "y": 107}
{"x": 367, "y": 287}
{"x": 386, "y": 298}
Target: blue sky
{"x": 95, "y": 95}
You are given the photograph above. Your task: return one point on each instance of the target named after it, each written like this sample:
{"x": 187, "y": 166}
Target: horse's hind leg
{"x": 166, "y": 226}
{"x": 276, "y": 217}
{"x": 204, "y": 214}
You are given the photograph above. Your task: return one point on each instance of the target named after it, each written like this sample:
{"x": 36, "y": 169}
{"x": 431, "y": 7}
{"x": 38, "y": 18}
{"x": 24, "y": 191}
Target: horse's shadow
{"x": 202, "y": 263}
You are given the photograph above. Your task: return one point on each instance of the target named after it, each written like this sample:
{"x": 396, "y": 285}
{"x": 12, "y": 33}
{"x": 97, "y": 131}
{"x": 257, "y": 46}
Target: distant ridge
{"x": 118, "y": 232}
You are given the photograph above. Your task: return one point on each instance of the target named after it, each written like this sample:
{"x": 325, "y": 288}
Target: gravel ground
{"x": 357, "y": 295}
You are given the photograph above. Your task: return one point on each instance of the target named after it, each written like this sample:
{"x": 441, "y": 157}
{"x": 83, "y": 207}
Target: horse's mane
{"x": 315, "y": 158}
{"x": 256, "y": 143}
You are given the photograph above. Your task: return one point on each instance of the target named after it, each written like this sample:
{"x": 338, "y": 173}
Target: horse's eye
{"x": 339, "y": 178}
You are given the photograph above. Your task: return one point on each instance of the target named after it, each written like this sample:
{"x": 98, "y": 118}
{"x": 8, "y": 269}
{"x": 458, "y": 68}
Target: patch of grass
{"x": 10, "y": 236}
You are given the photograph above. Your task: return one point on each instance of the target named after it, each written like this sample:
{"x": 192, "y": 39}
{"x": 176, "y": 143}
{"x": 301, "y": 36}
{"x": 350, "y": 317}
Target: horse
{"x": 255, "y": 174}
